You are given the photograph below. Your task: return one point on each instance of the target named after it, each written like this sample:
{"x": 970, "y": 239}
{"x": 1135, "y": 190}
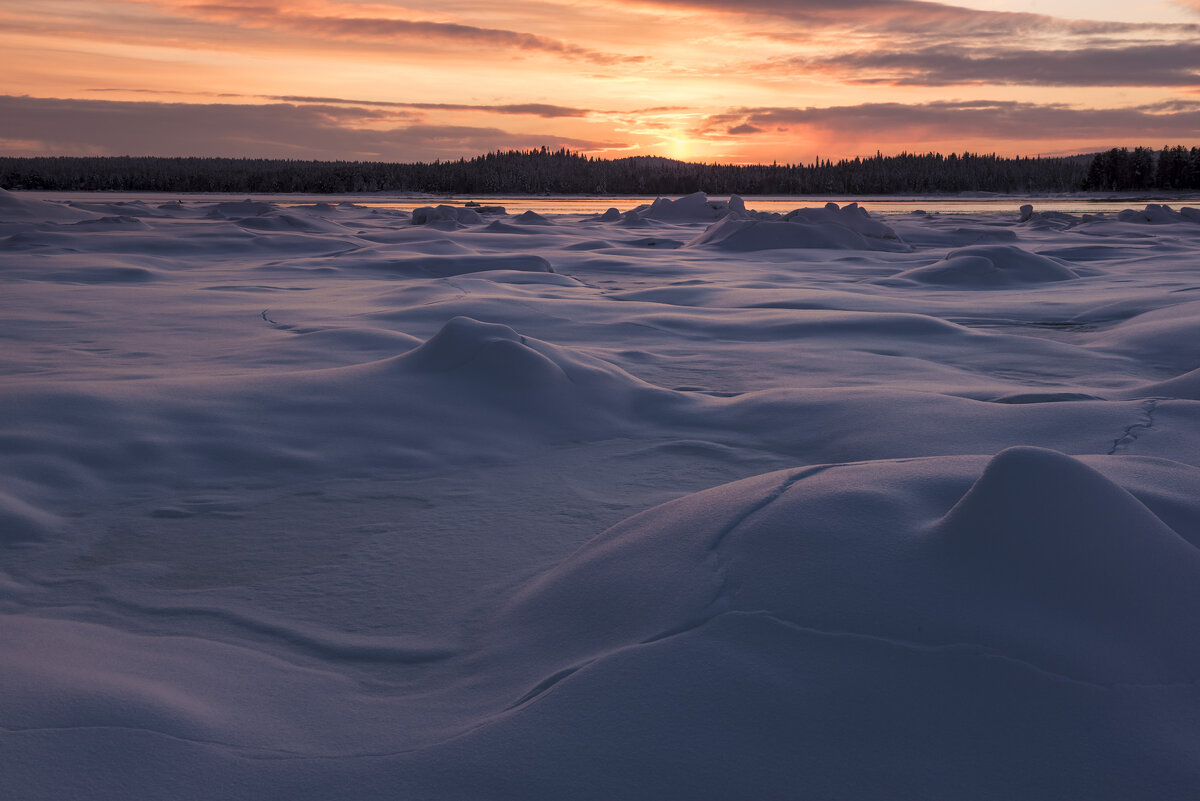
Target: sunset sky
{"x": 705, "y": 80}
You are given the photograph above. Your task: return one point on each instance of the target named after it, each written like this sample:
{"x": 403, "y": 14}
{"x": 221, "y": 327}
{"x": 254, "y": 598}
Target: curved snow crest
{"x": 551, "y": 388}
{"x": 1157, "y": 336}
{"x": 475, "y": 392}
{"x": 847, "y": 228}
{"x": 14, "y": 208}
{"x": 1184, "y": 387}
{"x": 464, "y": 342}
{"x": 22, "y": 522}
{"x": 531, "y": 217}
{"x": 304, "y": 220}
{"x": 1113, "y": 583}
{"x": 1033, "y": 557}
{"x": 492, "y": 348}
{"x": 988, "y": 267}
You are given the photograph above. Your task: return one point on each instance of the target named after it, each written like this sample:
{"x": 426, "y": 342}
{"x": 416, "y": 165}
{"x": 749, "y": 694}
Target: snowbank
{"x": 426, "y": 215}
{"x": 696, "y": 207}
{"x": 989, "y": 267}
{"x": 1158, "y": 214}
{"x": 846, "y": 228}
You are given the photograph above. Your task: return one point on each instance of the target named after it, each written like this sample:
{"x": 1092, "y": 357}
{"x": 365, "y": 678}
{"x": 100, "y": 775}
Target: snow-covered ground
{"x": 687, "y": 502}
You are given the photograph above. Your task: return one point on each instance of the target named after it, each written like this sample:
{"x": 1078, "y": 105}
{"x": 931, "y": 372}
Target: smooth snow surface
{"x": 687, "y": 501}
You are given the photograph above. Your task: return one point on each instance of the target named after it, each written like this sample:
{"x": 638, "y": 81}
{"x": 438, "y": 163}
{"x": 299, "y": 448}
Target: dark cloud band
{"x": 999, "y": 120}
{"x": 275, "y": 130}
{"x": 1174, "y": 64}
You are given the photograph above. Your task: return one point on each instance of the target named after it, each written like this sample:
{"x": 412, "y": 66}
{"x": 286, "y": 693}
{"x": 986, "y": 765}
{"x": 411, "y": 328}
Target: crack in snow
{"x": 1131, "y": 433}
{"x": 548, "y": 682}
{"x": 721, "y": 566}
{"x": 766, "y": 501}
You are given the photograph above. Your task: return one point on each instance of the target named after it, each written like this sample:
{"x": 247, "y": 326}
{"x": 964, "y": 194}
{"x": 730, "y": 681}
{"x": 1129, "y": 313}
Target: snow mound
{"x": 1117, "y": 615}
{"x": 1158, "y": 214}
{"x": 696, "y": 207}
{"x": 989, "y": 267}
{"x": 846, "y": 228}
{"x": 490, "y": 347}
{"x": 548, "y": 391}
{"x": 845, "y": 548}
{"x": 531, "y": 217}
{"x": 495, "y": 351}
{"x": 426, "y": 215}
{"x": 889, "y": 608}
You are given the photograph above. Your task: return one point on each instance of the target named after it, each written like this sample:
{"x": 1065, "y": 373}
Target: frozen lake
{"x": 313, "y": 497}
{"x": 977, "y": 203}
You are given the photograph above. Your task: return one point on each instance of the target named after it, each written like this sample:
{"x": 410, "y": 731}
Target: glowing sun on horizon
{"x": 677, "y": 145}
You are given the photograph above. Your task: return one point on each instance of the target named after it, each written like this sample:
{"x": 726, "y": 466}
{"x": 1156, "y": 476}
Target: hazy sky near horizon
{"x": 711, "y": 80}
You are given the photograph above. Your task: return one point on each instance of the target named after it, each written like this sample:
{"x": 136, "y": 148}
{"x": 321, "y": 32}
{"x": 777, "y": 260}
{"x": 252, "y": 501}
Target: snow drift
{"x": 989, "y": 266}
{"x": 301, "y": 501}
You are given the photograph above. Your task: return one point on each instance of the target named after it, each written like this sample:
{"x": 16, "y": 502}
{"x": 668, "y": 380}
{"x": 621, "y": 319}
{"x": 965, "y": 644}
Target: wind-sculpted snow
{"x": 427, "y": 215}
{"x": 989, "y": 266}
{"x": 1157, "y": 214}
{"x": 845, "y": 228}
{"x": 696, "y": 207}
{"x": 1031, "y": 565}
{"x": 1169, "y": 337}
{"x": 686, "y": 501}
{"x": 14, "y": 207}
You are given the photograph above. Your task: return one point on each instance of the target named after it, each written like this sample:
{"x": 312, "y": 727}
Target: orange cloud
{"x": 913, "y": 17}
{"x": 648, "y": 76}
{"x": 1125, "y": 64}
{"x": 352, "y": 27}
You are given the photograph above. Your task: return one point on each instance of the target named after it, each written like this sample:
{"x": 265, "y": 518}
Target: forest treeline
{"x": 547, "y": 171}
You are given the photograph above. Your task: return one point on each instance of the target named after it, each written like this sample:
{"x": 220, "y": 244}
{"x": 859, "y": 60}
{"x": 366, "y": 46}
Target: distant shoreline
{"x": 563, "y": 173}
{"x": 559, "y": 172}
{"x": 584, "y": 204}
